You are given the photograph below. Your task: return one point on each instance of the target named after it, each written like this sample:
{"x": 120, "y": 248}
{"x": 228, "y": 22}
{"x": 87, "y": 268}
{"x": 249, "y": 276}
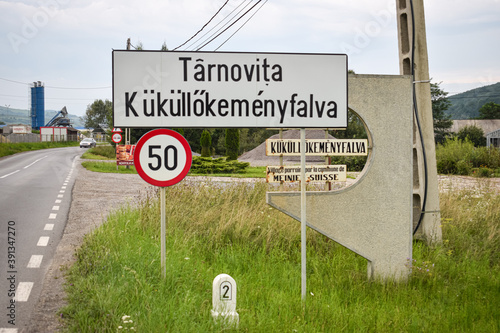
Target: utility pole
{"x": 413, "y": 60}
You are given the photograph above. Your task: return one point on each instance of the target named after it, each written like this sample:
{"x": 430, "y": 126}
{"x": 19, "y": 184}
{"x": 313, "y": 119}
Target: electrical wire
{"x": 79, "y": 88}
{"x": 225, "y": 3}
{"x": 52, "y": 87}
{"x": 242, "y": 25}
{"x": 229, "y": 18}
{"x": 415, "y": 105}
{"x": 27, "y": 84}
{"x": 239, "y": 18}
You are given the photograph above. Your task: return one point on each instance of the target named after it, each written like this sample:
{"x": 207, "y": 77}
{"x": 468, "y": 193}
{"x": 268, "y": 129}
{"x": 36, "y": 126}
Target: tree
{"x": 442, "y": 122}
{"x": 474, "y": 134}
{"x": 98, "y": 114}
{"x": 355, "y": 128}
{"x": 489, "y": 110}
{"x": 232, "y": 143}
{"x": 179, "y": 130}
{"x": 206, "y": 143}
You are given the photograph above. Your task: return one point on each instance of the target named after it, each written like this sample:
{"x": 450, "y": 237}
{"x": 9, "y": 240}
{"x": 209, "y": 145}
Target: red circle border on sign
{"x": 187, "y": 149}
{"x": 116, "y": 133}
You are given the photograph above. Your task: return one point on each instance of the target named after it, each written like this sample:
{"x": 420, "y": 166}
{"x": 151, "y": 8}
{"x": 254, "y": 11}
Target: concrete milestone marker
{"x": 224, "y": 300}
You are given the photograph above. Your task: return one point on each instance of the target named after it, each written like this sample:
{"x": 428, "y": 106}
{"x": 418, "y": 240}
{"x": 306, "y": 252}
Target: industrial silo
{"x": 37, "y": 105}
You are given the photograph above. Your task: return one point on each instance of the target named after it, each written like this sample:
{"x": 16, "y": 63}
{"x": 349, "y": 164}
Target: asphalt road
{"x": 35, "y": 197}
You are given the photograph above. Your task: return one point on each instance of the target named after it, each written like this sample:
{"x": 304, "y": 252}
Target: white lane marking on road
{"x": 26, "y": 167}
{"x": 55, "y": 207}
{"x": 49, "y": 227}
{"x": 23, "y": 291}
{"x": 61, "y": 191}
{"x": 9, "y": 174}
{"x": 35, "y": 261}
{"x": 43, "y": 241}
{"x": 52, "y": 216}
{"x": 63, "y": 187}
{"x": 8, "y": 330}
{"x": 58, "y": 201}
{"x": 60, "y": 196}
{"x": 65, "y": 184}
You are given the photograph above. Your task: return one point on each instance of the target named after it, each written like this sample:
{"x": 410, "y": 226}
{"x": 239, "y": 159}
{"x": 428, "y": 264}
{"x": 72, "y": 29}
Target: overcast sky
{"x": 68, "y": 43}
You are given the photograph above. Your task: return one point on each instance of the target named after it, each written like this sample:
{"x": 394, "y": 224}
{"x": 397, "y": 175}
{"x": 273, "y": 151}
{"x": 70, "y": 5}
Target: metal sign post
{"x": 163, "y": 158}
{"x": 163, "y": 234}
{"x": 303, "y": 224}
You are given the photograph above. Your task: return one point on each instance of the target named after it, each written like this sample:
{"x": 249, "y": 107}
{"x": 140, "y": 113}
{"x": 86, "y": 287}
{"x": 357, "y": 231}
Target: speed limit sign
{"x": 162, "y": 157}
{"x": 117, "y": 137}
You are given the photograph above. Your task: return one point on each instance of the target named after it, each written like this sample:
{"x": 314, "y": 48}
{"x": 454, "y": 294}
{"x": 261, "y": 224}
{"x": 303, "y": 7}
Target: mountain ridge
{"x": 18, "y": 116}
{"x": 466, "y": 105}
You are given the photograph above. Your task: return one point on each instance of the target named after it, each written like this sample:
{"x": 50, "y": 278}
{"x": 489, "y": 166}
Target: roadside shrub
{"x": 483, "y": 172}
{"x": 106, "y": 151}
{"x": 207, "y": 165}
{"x": 463, "y": 167}
{"x": 462, "y": 158}
{"x": 354, "y": 163}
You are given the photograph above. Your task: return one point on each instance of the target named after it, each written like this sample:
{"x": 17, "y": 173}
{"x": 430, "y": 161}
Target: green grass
{"x": 250, "y": 172}
{"x": 107, "y": 167}
{"x": 454, "y": 287}
{"x": 100, "y": 152}
{"x": 7, "y": 149}
{"x": 462, "y": 158}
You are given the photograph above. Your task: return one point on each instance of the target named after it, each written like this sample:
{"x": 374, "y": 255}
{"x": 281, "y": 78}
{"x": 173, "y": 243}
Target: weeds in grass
{"x": 453, "y": 286}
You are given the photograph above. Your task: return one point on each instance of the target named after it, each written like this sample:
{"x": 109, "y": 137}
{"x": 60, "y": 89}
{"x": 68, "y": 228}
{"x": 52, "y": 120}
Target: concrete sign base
{"x": 372, "y": 217}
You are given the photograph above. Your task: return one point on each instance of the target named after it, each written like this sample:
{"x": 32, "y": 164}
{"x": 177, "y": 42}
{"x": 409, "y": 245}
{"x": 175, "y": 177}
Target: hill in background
{"x": 17, "y": 116}
{"x": 466, "y": 105}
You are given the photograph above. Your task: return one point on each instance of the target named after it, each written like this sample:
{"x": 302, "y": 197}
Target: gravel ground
{"x": 94, "y": 196}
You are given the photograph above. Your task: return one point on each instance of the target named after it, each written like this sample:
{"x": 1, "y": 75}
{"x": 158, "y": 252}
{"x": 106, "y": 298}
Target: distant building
{"x": 487, "y": 125}
{"x": 493, "y": 139}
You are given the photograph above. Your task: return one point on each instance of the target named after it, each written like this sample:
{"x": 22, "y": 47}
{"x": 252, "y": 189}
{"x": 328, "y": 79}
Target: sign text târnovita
{"x": 219, "y": 89}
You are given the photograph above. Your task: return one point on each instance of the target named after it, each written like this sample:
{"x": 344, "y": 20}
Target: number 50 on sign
{"x": 162, "y": 157}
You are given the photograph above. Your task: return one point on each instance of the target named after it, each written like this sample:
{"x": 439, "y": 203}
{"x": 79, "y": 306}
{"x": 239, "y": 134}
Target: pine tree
{"x": 232, "y": 143}
{"x": 206, "y": 143}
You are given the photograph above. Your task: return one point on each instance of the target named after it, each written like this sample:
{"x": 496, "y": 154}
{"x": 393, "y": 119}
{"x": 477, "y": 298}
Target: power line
{"x": 242, "y": 25}
{"x": 1, "y": 78}
{"x": 53, "y": 87}
{"x": 231, "y": 20}
{"x": 229, "y": 16}
{"x": 228, "y": 27}
{"x": 225, "y": 3}
{"x": 79, "y": 88}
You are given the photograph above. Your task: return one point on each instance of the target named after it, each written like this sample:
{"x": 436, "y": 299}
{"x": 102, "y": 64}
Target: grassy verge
{"x": 107, "y": 167}
{"x": 454, "y": 287}
{"x": 101, "y": 152}
{"x": 7, "y": 149}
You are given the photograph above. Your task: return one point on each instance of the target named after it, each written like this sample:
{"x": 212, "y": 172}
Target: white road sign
{"x": 220, "y": 89}
{"x": 314, "y": 173}
{"x": 317, "y": 147}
